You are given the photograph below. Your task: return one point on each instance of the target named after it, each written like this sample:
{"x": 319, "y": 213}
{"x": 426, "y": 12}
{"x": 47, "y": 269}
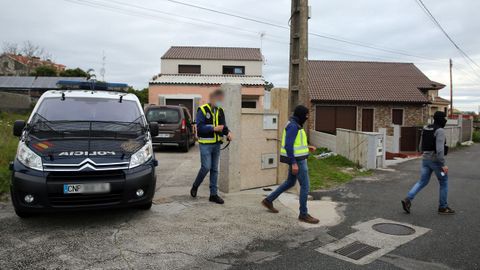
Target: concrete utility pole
{"x": 451, "y": 88}
{"x": 298, "y": 80}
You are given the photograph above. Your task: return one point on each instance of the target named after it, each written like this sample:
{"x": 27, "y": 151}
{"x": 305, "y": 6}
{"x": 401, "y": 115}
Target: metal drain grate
{"x": 356, "y": 250}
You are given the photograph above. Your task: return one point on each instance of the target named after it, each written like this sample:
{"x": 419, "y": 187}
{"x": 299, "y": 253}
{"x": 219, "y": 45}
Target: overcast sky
{"x": 77, "y": 32}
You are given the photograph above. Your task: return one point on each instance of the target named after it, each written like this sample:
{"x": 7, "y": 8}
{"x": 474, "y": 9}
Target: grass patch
{"x": 332, "y": 171}
{"x": 8, "y": 147}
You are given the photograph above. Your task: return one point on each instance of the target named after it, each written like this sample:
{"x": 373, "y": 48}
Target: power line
{"x": 321, "y": 35}
{"x": 119, "y": 7}
{"x": 271, "y": 38}
{"x": 435, "y": 21}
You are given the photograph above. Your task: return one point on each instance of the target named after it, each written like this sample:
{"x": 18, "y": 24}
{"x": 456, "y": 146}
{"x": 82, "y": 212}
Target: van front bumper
{"x": 48, "y": 195}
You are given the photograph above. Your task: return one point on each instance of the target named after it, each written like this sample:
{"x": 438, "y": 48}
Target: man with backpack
{"x": 434, "y": 149}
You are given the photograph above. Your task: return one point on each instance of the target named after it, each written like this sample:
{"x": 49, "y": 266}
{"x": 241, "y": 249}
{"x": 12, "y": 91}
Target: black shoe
{"x": 193, "y": 192}
{"x": 446, "y": 211}
{"x": 216, "y": 199}
{"x": 406, "y": 204}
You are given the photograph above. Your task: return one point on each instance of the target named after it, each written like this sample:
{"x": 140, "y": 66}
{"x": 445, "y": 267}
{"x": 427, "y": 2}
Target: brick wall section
{"x": 414, "y": 115}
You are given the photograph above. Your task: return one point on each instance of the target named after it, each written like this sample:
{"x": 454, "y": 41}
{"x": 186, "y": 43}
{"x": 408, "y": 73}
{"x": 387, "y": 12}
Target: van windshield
{"x": 87, "y": 118}
{"x": 89, "y": 109}
{"x": 164, "y": 115}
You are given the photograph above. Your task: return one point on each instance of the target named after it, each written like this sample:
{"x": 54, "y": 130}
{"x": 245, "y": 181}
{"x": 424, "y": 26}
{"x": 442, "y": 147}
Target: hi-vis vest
{"x": 300, "y": 146}
{"x": 211, "y": 119}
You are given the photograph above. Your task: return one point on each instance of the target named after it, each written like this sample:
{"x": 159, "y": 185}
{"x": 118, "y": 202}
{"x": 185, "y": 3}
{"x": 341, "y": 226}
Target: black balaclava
{"x": 439, "y": 119}
{"x": 301, "y": 113}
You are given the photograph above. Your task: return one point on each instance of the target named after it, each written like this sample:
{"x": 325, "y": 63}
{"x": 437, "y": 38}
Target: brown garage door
{"x": 187, "y": 103}
{"x": 329, "y": 118}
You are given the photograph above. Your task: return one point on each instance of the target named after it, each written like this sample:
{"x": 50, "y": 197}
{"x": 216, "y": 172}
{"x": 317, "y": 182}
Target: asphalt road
{"x": 452, "y": 243}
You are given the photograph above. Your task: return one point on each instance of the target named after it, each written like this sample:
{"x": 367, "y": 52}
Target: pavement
{"x": 180, "y": 232}
{"x": 451, "y": 242}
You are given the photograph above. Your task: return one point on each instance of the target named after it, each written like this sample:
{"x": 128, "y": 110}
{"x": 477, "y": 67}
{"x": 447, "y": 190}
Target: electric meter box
{"x": 270, "y": 122}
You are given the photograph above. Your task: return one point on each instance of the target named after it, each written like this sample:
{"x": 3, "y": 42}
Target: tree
{"x": 91, "y": 74}
{"x": 10, "y": 48}
{"x": 77, "y": 72}
{"x": 45, "y": 71}
{"x": 29, "y": 49}
{"x": 141, "y": 94}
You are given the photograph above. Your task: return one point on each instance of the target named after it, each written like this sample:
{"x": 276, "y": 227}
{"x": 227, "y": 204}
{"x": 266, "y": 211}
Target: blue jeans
{"x": 210, "y": 156}
{"x": 303, "y": 180}
{"x": 429, "y": 167}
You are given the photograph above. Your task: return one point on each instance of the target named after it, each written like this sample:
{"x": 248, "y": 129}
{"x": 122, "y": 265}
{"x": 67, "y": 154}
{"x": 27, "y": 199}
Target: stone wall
{"x": 413, "y": 115}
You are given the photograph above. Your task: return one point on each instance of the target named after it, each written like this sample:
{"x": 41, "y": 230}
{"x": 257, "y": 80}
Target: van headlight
{"x": 28, "y": 158}
{"x": 141, "y": 156}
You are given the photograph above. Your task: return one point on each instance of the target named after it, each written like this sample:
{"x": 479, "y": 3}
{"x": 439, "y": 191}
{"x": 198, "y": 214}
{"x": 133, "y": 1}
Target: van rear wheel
{"x": 185, "y": 146}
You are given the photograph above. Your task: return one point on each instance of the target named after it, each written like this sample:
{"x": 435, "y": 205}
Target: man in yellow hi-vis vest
{"x": 211, "y": 128}
{"x": 295, "y": 151}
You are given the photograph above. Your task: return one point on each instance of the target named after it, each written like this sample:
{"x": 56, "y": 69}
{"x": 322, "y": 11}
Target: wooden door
{"x": 410, "y": 139}
{"x": 367, "y": 120}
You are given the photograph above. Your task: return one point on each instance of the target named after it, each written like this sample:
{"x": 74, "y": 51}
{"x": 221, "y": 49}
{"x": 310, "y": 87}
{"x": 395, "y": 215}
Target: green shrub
{"x": 8, "y": 147}
{"x": 476, "y": 136}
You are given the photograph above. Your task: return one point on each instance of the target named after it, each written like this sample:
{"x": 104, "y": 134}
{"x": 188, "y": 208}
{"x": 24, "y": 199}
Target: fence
{"x": 320, "y": 139}
{"x": 14, "y": 102}
{"x": 453, "y": 134}
{"x": 363, "y": 148}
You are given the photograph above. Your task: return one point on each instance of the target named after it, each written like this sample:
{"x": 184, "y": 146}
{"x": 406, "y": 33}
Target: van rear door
{"x": 168, "y": 119}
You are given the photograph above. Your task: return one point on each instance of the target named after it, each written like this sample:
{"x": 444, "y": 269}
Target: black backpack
{"x": 429, "y": 140}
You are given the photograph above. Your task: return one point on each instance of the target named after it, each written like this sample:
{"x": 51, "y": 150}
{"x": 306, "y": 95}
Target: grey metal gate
{"x": 467, "y": 130}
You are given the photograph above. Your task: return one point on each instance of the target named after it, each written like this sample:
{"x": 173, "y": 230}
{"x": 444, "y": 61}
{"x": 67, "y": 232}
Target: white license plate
{"x": 164, "y": 136}
{"x": 86, "y": 188}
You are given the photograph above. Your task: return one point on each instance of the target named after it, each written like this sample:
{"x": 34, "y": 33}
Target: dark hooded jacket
{"x": 295, "y": 124}
{"x": 439, "y": 122}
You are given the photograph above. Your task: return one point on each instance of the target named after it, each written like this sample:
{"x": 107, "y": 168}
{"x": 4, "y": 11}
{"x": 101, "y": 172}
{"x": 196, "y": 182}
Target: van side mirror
{"x": 18, "y": 127}
{"x": 153, "y": 126}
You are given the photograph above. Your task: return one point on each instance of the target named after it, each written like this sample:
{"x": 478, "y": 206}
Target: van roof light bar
{"x": 91, "y": 85}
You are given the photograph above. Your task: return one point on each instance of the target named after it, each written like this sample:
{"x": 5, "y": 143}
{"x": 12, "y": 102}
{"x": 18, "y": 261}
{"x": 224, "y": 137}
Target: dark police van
{"x": 84, "y": 149}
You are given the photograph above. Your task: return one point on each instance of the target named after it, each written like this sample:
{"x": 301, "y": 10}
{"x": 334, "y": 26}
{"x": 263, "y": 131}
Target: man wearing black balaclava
{"x": 434, "y": 151}
{"x": 294, "y": 152}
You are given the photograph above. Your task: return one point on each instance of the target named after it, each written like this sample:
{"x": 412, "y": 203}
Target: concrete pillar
{"x": 229, "y": 176}
{"x": 396, "y": 138}
{"x": 279, "y": 103}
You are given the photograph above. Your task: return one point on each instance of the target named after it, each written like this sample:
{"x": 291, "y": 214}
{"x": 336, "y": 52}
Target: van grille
{"x": 86, "y": 165}
{"x": 90, "y": 176}
{"x": 84, "y": 200}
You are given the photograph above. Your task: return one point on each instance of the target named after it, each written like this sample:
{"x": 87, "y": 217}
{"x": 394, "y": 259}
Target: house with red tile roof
{"x": 368, "y": 96}
{"x": 20, "y": 65}
{"x": 189, "y": 74}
